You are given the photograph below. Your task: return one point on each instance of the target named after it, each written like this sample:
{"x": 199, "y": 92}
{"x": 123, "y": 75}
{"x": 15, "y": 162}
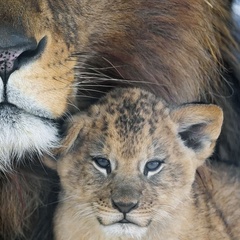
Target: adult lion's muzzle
{"x": 17, "y": 49}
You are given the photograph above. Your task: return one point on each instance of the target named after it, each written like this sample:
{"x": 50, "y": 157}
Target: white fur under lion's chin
{"x": 22, "y": 133}
{"x": 124, "y": 231}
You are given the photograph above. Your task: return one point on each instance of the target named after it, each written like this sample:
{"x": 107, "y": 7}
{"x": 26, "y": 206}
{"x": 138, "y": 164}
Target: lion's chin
{"x": 124, "y": 231}
{"x": 22, "y": 133}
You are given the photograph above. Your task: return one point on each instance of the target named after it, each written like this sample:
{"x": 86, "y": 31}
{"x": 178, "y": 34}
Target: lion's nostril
{"x": 32, "y": 54}
{"x": 8, "y": 61}
{"x": 16, "y": 49}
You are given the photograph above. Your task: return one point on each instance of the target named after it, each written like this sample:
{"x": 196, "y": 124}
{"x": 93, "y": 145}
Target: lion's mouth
{"x": 9, "y": 111}
{"x": 24, "y": 133}
{"x": 7, "y": 106}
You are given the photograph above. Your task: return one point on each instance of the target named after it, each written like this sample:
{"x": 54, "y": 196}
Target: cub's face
{"x": 132, "y": 163}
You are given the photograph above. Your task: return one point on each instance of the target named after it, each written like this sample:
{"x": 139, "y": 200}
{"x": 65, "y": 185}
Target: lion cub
{"x": 133, "y": 168}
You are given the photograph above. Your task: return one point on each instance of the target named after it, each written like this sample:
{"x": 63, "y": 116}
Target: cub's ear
{"x": 199, "y": 126}
{"x": 74, "y": 128}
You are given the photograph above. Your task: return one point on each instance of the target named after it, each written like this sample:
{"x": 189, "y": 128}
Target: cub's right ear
{"x": 74, "y": 128}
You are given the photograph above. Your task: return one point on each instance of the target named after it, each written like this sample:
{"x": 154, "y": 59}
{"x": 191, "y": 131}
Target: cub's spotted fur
{"x": 133, "y": 168}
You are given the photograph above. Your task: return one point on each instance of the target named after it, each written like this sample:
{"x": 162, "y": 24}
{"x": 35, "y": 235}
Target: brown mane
{"x": 177, "y": 48}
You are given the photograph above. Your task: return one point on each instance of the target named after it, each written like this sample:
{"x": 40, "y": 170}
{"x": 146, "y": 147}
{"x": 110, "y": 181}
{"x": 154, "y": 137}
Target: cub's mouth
{"x": 24, "y": 133}
{"x": 124, "y": 229}
{"x": 119, "y": 222}
{"x": 124, "y": 220}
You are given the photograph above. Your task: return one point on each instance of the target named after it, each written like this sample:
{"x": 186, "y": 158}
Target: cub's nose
{"x": 16, "y": 49}
{"x": 124, "y": 207}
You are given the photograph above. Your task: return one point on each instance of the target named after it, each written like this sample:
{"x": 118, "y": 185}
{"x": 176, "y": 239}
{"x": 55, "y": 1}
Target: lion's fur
{"x": 129, "y": 128}
{"x": 182, "y": 51}
{"x": 24, "y": 202}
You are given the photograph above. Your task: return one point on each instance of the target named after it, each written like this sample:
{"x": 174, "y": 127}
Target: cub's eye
{"x": 153, "y": 167}
{"x": 102, "y": 164}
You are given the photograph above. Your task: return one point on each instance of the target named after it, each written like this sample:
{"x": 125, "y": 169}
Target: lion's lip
{"x": 7, "y": 104}
{"x": 11, "y": 114}
{"x": 8, "y": 109}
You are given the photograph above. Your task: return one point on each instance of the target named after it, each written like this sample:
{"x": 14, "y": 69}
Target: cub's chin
{"x": 23, "y": 133}
{"x": 124, "y": 231}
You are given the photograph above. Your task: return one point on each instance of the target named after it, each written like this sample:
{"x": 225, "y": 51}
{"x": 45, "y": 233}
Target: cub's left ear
{"x": 199, "y": 126}
{"x": 75, "y": 129}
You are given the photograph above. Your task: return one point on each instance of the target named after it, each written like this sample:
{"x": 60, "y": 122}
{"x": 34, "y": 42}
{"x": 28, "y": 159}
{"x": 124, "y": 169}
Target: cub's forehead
{"x": 129, "y": 112}
{"x": 126, "y": 123}
{"x": 130, "y": 103}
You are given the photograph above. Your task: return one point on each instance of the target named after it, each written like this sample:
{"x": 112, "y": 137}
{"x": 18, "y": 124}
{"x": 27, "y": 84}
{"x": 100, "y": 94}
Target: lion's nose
{"x": 16, "y": 50}
{"x": 125, "y": 207}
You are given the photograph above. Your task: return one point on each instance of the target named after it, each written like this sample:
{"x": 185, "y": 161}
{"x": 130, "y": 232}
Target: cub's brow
{"x": 97, "y": 145}
{"x": 159, "y": 148}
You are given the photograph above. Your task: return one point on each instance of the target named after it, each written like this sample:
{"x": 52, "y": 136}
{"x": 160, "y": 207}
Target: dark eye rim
{"x": 147, "y": 170}
{"x": 107, "y": 167}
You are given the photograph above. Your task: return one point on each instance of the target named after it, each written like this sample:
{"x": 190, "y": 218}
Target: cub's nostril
{"x": 16, "y": 50}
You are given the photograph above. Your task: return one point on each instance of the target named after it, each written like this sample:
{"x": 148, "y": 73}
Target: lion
{"x": 58, "y": 57}
{"x": 133, "y": 167}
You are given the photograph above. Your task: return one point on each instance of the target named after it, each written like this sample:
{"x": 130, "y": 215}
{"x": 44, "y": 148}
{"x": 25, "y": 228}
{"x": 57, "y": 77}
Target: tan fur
{"x": 175, "y": 48}
{"x": 185, "y": 200}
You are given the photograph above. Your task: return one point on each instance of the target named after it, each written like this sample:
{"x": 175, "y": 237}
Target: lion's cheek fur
{"x": 45, "y": 87}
